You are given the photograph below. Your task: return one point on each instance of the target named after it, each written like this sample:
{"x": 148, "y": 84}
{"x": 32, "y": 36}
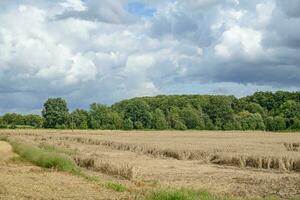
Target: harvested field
{"x": 251, "y": 164}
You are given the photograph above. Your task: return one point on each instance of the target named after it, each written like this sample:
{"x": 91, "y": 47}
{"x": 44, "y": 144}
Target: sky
{"x": 108, "y": 50}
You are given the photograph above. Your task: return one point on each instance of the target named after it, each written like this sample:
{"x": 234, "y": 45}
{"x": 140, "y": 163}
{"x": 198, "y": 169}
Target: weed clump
{"x": 118, "y": 187}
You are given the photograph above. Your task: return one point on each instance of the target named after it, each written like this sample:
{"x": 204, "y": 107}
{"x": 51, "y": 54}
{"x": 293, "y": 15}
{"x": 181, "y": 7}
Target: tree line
{"x": 268, "y": 111}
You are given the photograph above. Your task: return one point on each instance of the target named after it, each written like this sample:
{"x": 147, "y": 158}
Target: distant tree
{"x": 279, "y": 123}
{"x": 55, "y": 113}
{"x": 138, "y": 125}
{"x": 270, "y": 124}
{"x": 255, "y": 108}
{"x": 290, "y": 110}
{"x": 13, "y": 119}
{"x": 79, "y": 119}
{"x": 173, "y": 116}
{"x": 159, "y": 120}
{"x": 3, "y": 124}
{"x": 102, "y": 117}
{"x": 209, "y": 125}
{"x": 296, "y": 124}
{"x": 250, "y": 121}
{"x": 138, "y": 111}
{"x": 235, "y": 124}
{"x": 192, "y": 118}
{"x": 219, "y": 109}
{"x": 128, "y": 124}
{"x": 178, "y": 125}
{"x": 33, "y": 120}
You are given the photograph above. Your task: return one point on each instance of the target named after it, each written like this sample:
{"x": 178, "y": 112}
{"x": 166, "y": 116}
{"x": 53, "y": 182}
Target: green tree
{"x": 250, "y": 121}
{"x": 102, "y": 117}
{"x": 138, "y": 111}
{"x": 159, "y": 120}
{"x": 13, "y": 119}
{"x": 55, "y": 113}
{"x": 138, "y": 125}
{"x": 79, "y": 119}
{"x": 128, "y": 124}
{"x": 279, "y": 123}
{"x": 270, "y": 124}
{"x": 296, "y": 124}
{"x": 219, "y": 109}
{"x": 3, "y": 124}
{"x": 255, "y": 108}
{"x": 209, "y": 125}
{"x": 178, "y": 125}
{"x": 235, "y": 124}
{"x": 33, "y": 120}
{"x": 192, "y": 118}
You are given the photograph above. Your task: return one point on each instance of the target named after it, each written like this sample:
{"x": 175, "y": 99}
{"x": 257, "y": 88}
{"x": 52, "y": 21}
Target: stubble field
{"x": 238, "y": 164}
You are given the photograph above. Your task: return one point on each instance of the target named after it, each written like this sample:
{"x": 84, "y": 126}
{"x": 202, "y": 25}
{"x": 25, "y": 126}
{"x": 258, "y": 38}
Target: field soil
{"x": 241, "y": 164}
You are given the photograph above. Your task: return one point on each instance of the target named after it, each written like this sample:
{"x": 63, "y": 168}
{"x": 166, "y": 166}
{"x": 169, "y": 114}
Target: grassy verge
{"x": 186, "y": 194}
{"x": 182, "y": 194}
{"x": 50, "y": 148}
{"x": 44, "y": 158}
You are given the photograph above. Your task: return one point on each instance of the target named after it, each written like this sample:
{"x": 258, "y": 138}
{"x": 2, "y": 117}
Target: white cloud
{"x": 94, "y": 50}
{"x": 239, "y": 41}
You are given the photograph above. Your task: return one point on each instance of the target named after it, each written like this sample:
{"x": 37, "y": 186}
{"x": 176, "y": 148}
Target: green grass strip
{"x": 45, "y": 158}
{"x": 182, "y": 194}
{"x": 118, "y": 187}
{"x": 186, "y": 194}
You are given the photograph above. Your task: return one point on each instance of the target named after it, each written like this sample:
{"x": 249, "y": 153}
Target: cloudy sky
{"x": 107, "y": 50}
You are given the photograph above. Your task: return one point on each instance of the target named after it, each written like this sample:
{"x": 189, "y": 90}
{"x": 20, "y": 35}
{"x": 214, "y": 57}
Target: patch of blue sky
{"x": 141, "y": 9}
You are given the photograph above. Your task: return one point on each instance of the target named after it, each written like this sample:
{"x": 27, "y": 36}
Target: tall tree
{"x": 55, "y": 113}
{"x": 159, "y": 120}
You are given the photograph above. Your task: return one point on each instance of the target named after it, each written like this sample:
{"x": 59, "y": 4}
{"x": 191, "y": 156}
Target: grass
{"x": 50, "y": 148}
{"x": 186, "y": 194}
{"x": 182, "y": 194}
{"x": 118, "y": 187}
{"x": 44, "y": 158}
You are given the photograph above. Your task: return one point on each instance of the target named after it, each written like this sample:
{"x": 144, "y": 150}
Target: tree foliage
{"x": 261, "y": 111}
{"x": 55, "y": 113}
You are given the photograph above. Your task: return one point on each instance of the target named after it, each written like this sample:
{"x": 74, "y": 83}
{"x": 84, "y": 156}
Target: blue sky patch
{"x": 140, "y": 9}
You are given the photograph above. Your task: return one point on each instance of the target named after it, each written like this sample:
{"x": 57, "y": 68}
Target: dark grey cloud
{"x": 290, "y": 7}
